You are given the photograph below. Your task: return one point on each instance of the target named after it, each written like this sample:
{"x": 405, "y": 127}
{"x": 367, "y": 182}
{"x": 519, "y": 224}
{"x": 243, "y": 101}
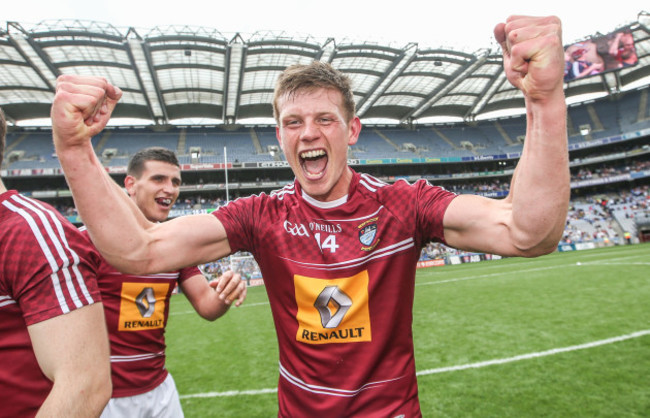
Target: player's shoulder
{"x": 400, "y": 193}
{"x": 25, "y": 214}
{"x": 29, "y": 223}
{"x": 278, "y": 195}
{"x": 287, "y": 192}
{"x": 381, "y": 189}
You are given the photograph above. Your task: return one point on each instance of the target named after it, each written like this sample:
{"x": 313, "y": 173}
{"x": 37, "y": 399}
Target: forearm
{"x": 80, "y": 110}
{"x": 540, "y": 188}
{"x": 118, "y": 228}
{"x": 73, "y": 352}
{"x": 212, "y": 307}
{"x": 75, "y": 400}
{"x": 212, "y": 300}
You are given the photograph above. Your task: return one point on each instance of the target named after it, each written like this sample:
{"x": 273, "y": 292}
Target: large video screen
{"x": 600, "y": 53}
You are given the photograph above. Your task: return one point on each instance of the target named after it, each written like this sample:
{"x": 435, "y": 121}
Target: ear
{"x": 279, "y": 136}
{"x": 129, "y": 181}
{"x": 355, "y": 130}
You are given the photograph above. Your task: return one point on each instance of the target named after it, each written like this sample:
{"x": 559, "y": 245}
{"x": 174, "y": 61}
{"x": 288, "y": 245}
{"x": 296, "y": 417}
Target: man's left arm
{"x": 212, "y": 300}
{"x": 530, "y": 220}
{"x": 73, "y": 352}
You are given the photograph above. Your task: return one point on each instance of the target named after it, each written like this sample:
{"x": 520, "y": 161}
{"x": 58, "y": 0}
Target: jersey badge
{"x": 368, "y": 234}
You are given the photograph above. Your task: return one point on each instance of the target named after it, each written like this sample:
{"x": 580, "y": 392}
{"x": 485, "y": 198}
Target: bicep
{"x": 476, "y": 223}
{"x": 187, "y": 241}
{"x": 71, "y": 344}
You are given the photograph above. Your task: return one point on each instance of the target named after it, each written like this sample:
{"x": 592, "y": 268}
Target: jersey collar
{"x": 334, "y": 203}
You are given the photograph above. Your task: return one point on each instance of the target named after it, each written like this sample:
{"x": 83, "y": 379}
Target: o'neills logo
{"x": 368, "y": 234}
{"x": 142, "y": 306}
{"x": 329, "y": 228}
{"x": 332, "y": 310}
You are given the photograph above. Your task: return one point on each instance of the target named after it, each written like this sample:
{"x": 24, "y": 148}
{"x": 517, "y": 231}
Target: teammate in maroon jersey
{"x": 137, "y": 306}
{"x": 53, "y": 343}
{"x": 337, "y": 248}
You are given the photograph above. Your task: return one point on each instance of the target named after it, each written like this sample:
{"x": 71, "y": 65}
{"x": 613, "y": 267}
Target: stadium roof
{"x": 180, "y": 72}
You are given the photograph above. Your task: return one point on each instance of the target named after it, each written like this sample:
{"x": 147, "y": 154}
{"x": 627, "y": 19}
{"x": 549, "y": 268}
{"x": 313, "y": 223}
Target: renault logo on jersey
{"x": 296, "y": 230}
{"x": 146, "y": 302}
{"x": 333, "y": 297}
{"x": 332, "y": 311}
{"x": 142, "y": 306}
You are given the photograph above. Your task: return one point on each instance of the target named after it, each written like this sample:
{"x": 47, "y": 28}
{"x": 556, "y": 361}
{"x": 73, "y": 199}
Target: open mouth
{"x": 164, "y": 201}
{"x": 313, "y": 163}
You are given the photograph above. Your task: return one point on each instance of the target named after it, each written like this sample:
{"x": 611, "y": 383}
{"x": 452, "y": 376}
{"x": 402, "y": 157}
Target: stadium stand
{"x": 472, "y": 153}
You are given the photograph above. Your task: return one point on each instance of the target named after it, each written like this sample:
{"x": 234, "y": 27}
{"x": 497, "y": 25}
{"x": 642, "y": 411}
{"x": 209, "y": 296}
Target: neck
{"x": 2, "y": 187}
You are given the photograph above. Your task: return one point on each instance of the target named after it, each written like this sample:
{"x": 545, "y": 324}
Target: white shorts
{"x": 161, "y": 402}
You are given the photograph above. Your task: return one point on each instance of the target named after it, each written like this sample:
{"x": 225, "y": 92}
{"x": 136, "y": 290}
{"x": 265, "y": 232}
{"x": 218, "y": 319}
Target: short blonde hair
{"x": 316, "y": 75}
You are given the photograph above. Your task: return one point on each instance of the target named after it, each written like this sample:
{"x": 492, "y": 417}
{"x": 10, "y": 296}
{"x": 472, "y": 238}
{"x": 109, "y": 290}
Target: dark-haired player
{"x": 137, "y": 306}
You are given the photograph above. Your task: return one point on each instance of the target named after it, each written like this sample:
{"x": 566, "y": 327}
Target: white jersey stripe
{"x": 384, "y": 252}
{"x": 136, "y": 357}
{"x": 70, "y": 287}
{"x": 58, "y": 240}
{"x": 46, "y": 252}
{"x": 6, "y": 300}
{"x": 158, "y": 276}
{"x": 35, "y": 229}
{"x": 75, "y": 257}
{"x": 21, "y": 207}
{"x": 288, "y": 189}
{"x": 324, "y": 390}
{"x": 375, "y": 256}
{"x": 374, "y": 181}
{"x": 367, "y": 186}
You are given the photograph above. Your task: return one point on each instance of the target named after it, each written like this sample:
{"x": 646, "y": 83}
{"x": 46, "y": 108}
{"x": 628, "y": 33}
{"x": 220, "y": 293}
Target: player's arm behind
{"x": 212, "y": 300}
{"x": 72, "y": 351}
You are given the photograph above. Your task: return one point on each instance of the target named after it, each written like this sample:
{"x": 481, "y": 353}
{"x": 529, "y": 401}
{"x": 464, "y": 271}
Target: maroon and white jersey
{"x": 47, "y": 269}
{"x": 340, "y": 277}
{"x": 136, "y": 309}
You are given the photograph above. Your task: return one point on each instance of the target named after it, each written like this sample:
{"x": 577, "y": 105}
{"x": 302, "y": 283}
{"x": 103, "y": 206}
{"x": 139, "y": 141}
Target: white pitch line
{"x": 535, "y": 355}
{"x": 604, "y": 263}
{"x": 245, "y": 305}
{"x": 478, "y": 365}
{"x": 500, "y": 274}
{"x": 530, "y": 270}
{"x": 229, "y": 393}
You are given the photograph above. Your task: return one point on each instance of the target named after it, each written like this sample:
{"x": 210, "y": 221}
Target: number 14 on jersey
{"x": 328, "y": 242}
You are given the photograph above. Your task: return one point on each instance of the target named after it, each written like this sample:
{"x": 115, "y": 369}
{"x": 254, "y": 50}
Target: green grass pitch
{"x": 564, "y": 335}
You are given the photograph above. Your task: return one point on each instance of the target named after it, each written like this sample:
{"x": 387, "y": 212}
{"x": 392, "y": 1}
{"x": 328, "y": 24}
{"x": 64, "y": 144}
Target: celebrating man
{"x": 337, "y": 248}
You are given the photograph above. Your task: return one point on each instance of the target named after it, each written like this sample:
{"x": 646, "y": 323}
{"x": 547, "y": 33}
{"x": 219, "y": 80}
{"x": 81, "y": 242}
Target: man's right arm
{"x": 82, "y": 106}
